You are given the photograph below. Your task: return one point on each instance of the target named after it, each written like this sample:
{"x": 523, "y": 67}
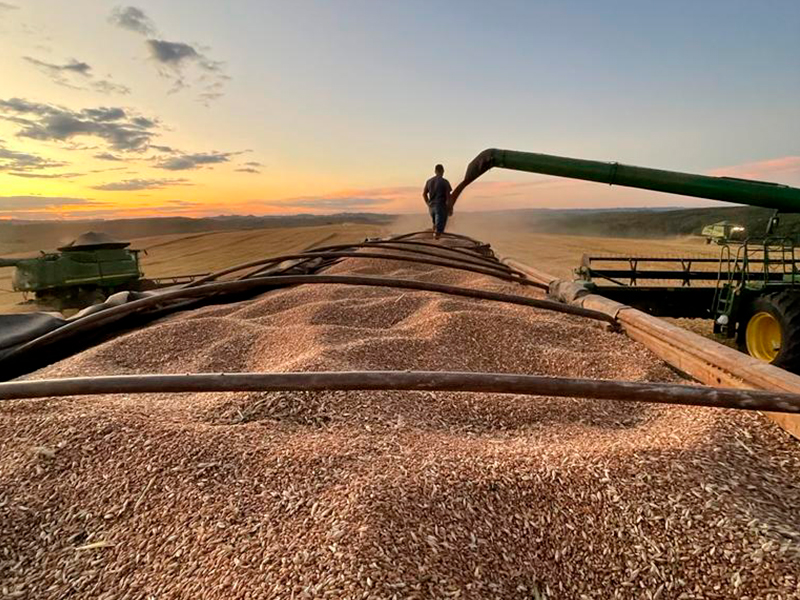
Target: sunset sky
{"x": 201, "y": 108}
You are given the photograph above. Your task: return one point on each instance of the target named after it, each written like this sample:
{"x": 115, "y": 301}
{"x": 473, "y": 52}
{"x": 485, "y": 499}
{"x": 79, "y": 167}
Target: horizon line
{"x": 365, "y": 214}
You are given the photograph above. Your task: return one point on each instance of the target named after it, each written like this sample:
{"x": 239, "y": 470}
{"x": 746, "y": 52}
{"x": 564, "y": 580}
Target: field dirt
{"x": 389, "y": 494}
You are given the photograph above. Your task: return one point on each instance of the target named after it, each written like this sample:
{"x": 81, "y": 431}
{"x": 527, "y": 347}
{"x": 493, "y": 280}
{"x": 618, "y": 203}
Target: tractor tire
{"x": 49, "y": 302}
{"x": 772, "y": 331}
{"x": 89, "y": 296}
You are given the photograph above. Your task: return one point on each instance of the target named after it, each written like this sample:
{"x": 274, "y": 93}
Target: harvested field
{"x": 190, "y": 253}
{"x": 389, "y": 494}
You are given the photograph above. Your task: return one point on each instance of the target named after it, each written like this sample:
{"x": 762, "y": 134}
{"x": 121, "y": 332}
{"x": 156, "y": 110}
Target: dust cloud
{"x": 540, "y": 241}
{"x": 496, "y": 228}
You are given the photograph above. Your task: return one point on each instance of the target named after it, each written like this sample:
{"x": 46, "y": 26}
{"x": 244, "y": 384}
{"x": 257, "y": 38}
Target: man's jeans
{"x": 438, "y": 212}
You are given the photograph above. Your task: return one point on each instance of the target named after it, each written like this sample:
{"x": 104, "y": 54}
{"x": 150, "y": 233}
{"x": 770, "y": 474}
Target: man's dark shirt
{"x": 438, "y": 189}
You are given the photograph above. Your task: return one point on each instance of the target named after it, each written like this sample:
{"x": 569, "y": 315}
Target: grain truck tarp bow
{"x": 752, "y": 296}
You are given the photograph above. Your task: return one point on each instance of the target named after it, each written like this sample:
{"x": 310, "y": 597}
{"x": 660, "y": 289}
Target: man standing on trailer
{"x": 437, "y": 197}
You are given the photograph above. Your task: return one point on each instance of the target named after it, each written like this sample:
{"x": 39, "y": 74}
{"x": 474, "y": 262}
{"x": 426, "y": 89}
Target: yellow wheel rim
{"x": 763, "y": 336}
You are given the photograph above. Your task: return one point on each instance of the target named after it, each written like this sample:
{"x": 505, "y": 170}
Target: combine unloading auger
{"x": 783, "y": 198}
{"x": 754, "y": 295}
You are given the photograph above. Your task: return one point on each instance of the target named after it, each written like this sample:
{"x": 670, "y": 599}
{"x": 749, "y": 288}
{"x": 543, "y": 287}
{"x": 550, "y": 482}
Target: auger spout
{"x": 727, "y": 189}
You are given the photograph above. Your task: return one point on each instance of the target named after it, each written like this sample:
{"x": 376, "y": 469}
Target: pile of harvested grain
{"x": 389, "y": 494}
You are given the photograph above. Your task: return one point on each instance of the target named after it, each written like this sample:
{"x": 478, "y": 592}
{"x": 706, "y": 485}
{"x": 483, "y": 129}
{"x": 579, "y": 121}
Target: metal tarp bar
{"x": 440, "y": 381}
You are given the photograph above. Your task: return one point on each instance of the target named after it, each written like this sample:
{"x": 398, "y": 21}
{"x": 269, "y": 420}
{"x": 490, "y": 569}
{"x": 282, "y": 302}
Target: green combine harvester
{"x": 751, "y": 291}
{"x": 84, "y": 272}
{"x": 723, "y": 232}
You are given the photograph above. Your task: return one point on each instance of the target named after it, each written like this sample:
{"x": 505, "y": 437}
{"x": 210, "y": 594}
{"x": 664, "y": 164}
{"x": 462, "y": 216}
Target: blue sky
{"x": 349, "y": 103}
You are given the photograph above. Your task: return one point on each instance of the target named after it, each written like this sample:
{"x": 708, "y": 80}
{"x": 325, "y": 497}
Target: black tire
{"x": 49, "y": 302}
{"x": 785, "y": 308}
{"x": 89, "y": 296}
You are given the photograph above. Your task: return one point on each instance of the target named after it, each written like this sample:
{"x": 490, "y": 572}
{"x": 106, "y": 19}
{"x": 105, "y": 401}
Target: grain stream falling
{"x": 389, "y": 494}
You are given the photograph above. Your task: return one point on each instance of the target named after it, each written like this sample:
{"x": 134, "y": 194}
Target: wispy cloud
{"x": 251, "y": 166}
{"x": 174, "y": 60}
{"x": 57, "y": 207}
{"x": 339, "y": 203}
{"x": 183, "y": 162}
{"x": 113, "y": 211}
{"x": 110, "y": 169}
{"x": 132, "y": 19}
{"x": 129, "y": 185}
{"x": 164, "y": 149}
{"x": 46, "y": 175}
{"x": 8, "y": 203}
{"x": 72, "y": 66}
{"x": 7, "y": 6}
{"x": 372, "y": 199}
{"x": 12, "y": 160}
{"x": 119, "y": 129}
{"x": 77, "y": 75}
{"x": 785, "y": 169}
{"x": 177, "y": 55}
{"x": 334, "y": 204}
{"x": 481, "y": 195}
{"x": 104, "y": 86}
{"x": 107, "y": 156}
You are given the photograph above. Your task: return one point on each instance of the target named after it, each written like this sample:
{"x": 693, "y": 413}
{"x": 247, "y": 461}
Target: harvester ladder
{"x": 777, "y": 257}
{"x": 773, "y": 255}
{"x": 725, "y": 292}
{"x": 787, "y": 265}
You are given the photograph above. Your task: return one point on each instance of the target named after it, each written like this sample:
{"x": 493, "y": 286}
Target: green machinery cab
{"x": 85, "y": 271}
{"x": 751, "y": 291}
{"x": 723, "y": 232}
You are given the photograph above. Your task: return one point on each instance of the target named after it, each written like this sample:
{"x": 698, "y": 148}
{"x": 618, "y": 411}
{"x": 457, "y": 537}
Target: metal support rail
{"x": 697, "y": 356}
{"x": 447, "y": 235}
{"x": 460, "y": 265}
{"x": 691, "y": 259}
{"x": 533, "y": 385}
{"x": 462, "y": 250}
{"x": 417, "y": 245}
{"x": 444, "y": 262}
{"x": 450, "y": 264}
{"x": 772, "y": 269}
{"x": 420, "y": 248}
{"x": 176, "y": 279}
{"x": 685, "y": 276}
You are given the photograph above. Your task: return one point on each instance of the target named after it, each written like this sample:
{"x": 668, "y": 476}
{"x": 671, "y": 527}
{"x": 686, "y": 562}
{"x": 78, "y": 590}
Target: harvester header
{"x": 728, "y": 189}
{"x": 11, "y": 262}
